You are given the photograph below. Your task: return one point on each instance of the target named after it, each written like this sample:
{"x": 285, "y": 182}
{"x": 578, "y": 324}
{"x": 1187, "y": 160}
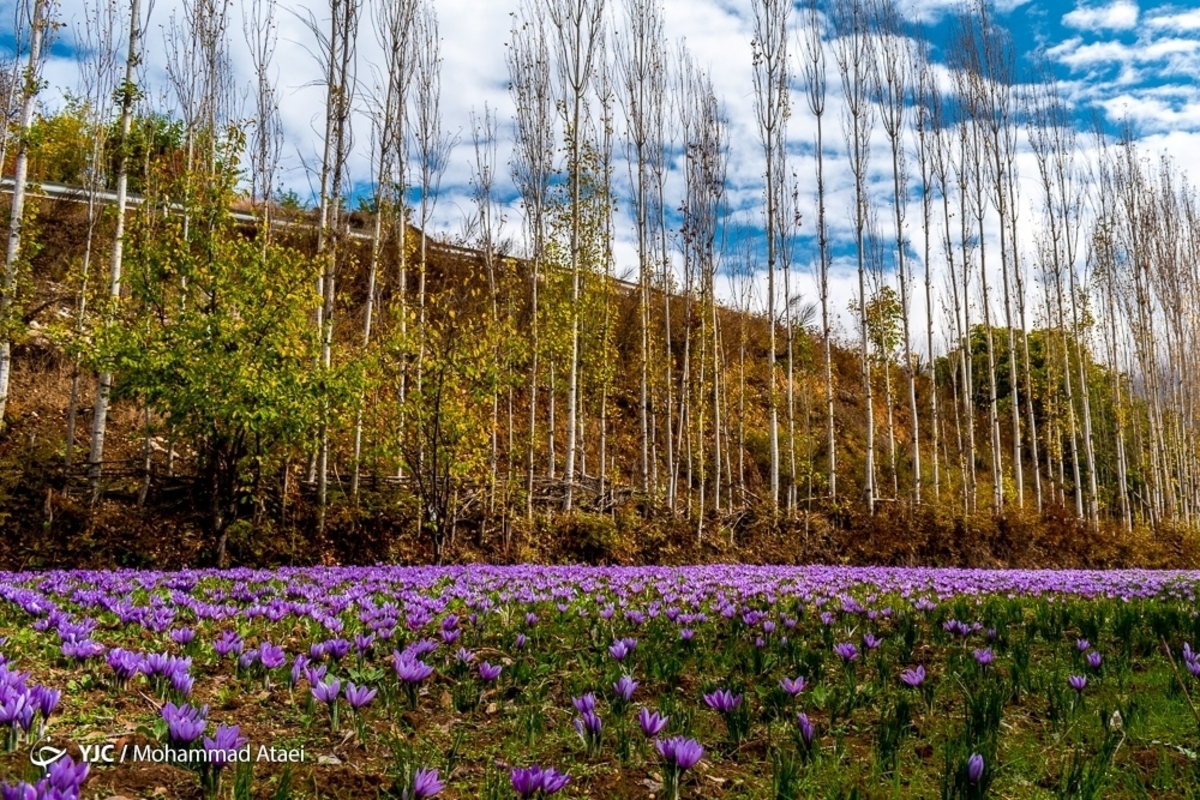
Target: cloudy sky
{"x": 1118, "y": 62}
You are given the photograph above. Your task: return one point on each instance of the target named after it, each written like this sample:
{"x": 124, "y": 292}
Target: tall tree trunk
{"x": 771, "y": 81}
{"x": 854, "y": 56}
{"x": 29, "y": 92}
{"x": 128, "y": 91}
{"x": 577, "y": 25}
{"x": 813, "y": 66}
{"x": 928, "y": 111}
{"x": 895, "y": 61}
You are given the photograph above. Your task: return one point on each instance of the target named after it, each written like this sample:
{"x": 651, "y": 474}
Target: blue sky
{"x": 1123, "y": 60}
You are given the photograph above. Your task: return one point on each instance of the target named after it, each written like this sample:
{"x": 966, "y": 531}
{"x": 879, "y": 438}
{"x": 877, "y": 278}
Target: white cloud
{"x": 1175, "y": 21}
{"x": 1076, "y": 55}
{"x": 1120, "y": 15}
{"x": 1160, "y": 112}
{"x": 928, "y": 11}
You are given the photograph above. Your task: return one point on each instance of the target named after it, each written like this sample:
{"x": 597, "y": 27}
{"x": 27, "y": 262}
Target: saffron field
{"x": 504, "y": 682}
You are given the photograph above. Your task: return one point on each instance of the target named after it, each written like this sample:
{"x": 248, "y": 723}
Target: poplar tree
{"x": 128, "y": 92}
{"x": 31, "y": 85}
{"x": 98, "y": 79}
{"x": 812, "y": 49}
{"x": 771, "y": 90}
{"x": 853, "y": 53}
{"x": 577, "y": 41}
{"x": 530, "y": 86}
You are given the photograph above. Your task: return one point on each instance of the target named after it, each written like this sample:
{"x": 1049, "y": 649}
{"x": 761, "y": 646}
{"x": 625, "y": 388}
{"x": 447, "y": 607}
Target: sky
{"x": 1120, "y": 62}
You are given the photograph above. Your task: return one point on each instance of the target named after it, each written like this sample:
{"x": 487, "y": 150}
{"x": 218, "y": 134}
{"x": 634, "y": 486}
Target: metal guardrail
{"x": 81, "y": 194}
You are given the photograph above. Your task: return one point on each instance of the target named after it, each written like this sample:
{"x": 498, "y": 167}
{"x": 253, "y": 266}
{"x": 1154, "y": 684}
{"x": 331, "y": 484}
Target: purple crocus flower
{"x": 723, "y": 700}
{"x": 464, "y": 656}
{"x": 489, "y": 673}
{"x": 124, "y": 664}
{"x": 956, "y": 628}
{"x": 359, "y": 696}
{"x": 185, "y": 724}
{"x": 618, "y": 650}
{"x": 420, "y": 648}
{"x": 520, "y": 643}
{"x": 1094, "y": 660}
{"x": 913, "y": 677}
{"x": 686, "y": 634}
{"x": 974, "y": 768}
{"x": 1078, "y": 682}
{"x": 82, "y": 650}
{"x": 411, "y": 670}
{"x": 362, "y": 644}
{"x": 183, "y": 636}
{"x": 182, "y": 683}
{"x": 22, "y": 791}
{"x": 985, "y": 656}
{"x": 228, "y": 642}
{"x": 806, "y": 728}
{"x": 327, "y": 693}
{"x": 222, "y": 743}
{"x": 679, "y": 752}
{"x": 588, "y": 725}
{"x": 871, "y": 642}
{"x": 847, "y": 651}
{"x": 298, "y": 668}
{"x": 625, "y": 687}
{"x": 16, "y": 710}
{"x": 315, "y": 674}
{"x": 793, "y": 686}
{"x": 426, "y": 784}
{"x": 553, "y": 780}
{"x": 585, "y": 703}
{"x": 1082, "y": 645}
{"x": 176, "y": 664}
{"x": 651, "y": 722}
{"x": 248, "y": 659}
{"x": 271, "y": 656}
{"x": 46, "y": 700}
{"x": 526, "y": 781}
{"x": 65, "y": 778}
{"x": 337, "y": 648}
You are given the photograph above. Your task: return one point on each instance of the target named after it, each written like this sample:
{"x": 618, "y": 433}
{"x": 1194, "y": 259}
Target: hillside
{"x": 154, "y": 500}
